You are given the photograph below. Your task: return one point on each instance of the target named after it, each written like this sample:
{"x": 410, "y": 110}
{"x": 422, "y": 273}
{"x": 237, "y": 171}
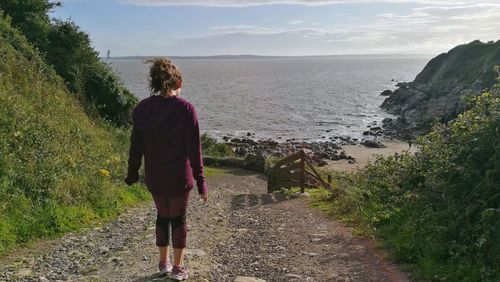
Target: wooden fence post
{"x": 302, "y": 176}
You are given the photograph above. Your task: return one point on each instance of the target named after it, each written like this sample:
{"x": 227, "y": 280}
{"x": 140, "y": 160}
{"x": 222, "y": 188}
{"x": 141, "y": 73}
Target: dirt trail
{"x": 242, "y": 232}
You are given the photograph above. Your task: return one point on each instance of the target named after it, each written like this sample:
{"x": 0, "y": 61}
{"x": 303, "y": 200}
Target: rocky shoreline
{"x": 318, "y": 151}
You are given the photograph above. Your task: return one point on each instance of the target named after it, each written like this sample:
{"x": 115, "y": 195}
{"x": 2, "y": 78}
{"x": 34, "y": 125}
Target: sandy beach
{"x": 363, "y": 155}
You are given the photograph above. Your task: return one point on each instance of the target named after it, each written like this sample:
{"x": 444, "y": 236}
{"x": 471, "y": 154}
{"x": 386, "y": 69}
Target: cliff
{"x": 438, "y": 90}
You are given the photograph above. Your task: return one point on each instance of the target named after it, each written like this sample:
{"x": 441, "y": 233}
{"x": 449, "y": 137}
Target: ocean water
{"x": 306, "y": 98}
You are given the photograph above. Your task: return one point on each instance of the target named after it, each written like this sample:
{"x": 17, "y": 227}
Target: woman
{"x": 166, "y": 132}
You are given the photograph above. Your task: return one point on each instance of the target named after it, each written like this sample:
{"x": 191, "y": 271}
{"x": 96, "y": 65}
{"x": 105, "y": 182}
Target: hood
{"x": 158, "y": 114}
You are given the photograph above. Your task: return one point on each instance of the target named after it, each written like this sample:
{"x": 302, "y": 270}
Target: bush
{"x": 70, "y": 53}
{"x": 213, "y": 148}
{"x": 112, "y": 101}
{"x": 64, "y": 46}
{"x": 440, "y": 208}
{"x": 94, "y": 83}
{"x": 31, "y": 17}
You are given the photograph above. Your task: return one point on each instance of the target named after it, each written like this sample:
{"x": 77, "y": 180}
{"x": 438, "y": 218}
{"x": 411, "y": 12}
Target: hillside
{"x": 437, "y": 92}
{"x": 59, "y": 169}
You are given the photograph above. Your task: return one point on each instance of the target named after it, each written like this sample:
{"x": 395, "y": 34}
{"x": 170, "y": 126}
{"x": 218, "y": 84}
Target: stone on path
{"x": 305, "y": 194}
{"x": 310, "y": 254}
{"x": 195, "y": 252}
{"x": 293, "y": 276}
{"x": 23, "y": 272}
{"x": 248, "y": 279}
{"x": 103, "y": 250}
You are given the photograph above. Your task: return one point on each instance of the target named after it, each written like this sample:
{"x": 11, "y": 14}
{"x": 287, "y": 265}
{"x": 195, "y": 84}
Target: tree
{"x": 70, "y": 53}
{"x": 31, "y": 17}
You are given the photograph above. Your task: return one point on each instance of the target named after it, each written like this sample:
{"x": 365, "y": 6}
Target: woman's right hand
{"x": 131, "y": 179}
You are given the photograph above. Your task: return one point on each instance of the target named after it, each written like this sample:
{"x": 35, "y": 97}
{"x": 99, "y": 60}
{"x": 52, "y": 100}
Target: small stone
{"x": 115, "y": 259}
{"x": 23, "y": 272}
{"x": 103, "y": 250}
{"x": 310, "y": 254}
{"x": 342, "y": 255}
{"x": 305, "y": 194}
{"x": 77, "y": 254}
{"x": 248, "y": 279}
{"x": 280, "y": 248}
{"x": 293, "y": 276}
{"x": 195, "y": 252}
{"x": 29, "y": 261}
{"x": 42, "y": 279}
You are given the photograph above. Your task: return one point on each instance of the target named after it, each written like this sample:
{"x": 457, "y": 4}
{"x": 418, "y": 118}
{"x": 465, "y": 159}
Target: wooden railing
{"x": 294, "y": 170}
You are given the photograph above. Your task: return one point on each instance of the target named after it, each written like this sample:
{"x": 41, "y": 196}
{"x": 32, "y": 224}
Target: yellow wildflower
{"x": 104, "y": 172}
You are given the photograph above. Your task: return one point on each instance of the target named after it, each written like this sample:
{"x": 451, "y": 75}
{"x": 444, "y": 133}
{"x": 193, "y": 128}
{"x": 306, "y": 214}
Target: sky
{"x": 281, "y": 27}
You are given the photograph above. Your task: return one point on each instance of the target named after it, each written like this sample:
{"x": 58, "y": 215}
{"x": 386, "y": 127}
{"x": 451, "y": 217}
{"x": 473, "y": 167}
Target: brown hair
{"x": 164, "y": 76}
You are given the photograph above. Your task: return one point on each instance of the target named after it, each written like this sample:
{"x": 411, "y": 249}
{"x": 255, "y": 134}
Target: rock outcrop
{"x": 437, "y": 92}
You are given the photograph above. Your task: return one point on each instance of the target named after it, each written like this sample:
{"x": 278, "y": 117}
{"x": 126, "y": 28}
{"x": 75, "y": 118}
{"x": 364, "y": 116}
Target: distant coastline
{"x": 243, "y": 56}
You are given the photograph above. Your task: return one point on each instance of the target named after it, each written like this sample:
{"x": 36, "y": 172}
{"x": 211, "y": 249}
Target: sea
{"x": 280, "y": 98}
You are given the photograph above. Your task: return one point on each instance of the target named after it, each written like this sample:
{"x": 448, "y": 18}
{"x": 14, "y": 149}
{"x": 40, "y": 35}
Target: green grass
{"x": 51, "y": 153}
{"x": 215, "y": 171}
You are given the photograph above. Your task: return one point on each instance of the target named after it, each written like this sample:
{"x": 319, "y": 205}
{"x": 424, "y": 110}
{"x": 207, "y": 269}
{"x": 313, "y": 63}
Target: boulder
{"x": 372, "y": 144}
{"x": 386, "y": 93}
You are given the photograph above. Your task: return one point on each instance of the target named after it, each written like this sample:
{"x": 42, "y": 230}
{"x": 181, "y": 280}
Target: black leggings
{"x": 178, "y": 226}
{"x": 171, "y": 220}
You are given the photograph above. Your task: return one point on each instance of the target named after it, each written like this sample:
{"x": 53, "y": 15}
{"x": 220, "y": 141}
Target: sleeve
{"x": 135, "y": 156}
{"x": 194, "y": 151}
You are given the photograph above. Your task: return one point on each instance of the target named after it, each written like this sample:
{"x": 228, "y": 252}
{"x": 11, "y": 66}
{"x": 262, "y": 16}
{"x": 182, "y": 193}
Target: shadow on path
{"x": 245, "y": 172}
{"x": 242, "y": 201}
{"x": 153, "y": 277}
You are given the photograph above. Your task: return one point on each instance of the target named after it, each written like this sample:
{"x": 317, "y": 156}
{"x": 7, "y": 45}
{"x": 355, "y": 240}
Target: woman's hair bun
{"x": 164, "y": 76}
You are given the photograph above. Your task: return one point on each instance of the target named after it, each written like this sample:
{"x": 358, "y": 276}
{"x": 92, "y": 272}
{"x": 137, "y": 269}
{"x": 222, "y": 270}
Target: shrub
{"x": 440, "y": 208}
{"x": 68, "y": 49}
{"x": 213, "y": 148}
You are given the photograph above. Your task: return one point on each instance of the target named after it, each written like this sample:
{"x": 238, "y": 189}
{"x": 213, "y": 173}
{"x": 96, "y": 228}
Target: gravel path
{"x": 243, "y": 232}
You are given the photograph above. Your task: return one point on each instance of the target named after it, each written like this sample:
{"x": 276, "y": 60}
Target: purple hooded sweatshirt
{"x": 166, "y": 132}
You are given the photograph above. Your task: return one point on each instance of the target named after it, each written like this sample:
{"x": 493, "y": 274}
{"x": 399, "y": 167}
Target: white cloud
{"x": 246, "y": 3}
{"x": 418, "y": 31}
{"x": 431, "y": 26}
{"x": 243, "y": 29}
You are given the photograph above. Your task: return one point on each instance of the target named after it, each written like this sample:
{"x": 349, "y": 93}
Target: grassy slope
{"x": 51, "y": 153}
{"x": 463, "y": 66}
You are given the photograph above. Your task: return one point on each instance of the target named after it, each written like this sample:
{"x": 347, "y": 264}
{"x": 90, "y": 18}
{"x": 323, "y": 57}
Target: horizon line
{"x": 264, "y": 56}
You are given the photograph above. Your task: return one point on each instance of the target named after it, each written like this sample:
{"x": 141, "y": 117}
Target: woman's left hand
{"x": 204, "y": 197}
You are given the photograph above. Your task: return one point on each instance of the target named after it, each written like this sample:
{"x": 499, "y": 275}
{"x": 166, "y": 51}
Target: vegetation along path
{"x": 243, "y": 232}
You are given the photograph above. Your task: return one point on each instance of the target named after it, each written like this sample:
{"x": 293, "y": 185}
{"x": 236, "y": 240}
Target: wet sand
{"x": 363, "y": 155}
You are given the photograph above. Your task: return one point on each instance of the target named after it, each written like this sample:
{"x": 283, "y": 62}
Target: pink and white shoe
{"x": 179, "y": 273}
{"x": 165, "y": 267}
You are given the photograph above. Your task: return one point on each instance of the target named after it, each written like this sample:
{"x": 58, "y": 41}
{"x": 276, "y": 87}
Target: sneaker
{"x": 179, "y": 273}
{"x": 165, "y": 267}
